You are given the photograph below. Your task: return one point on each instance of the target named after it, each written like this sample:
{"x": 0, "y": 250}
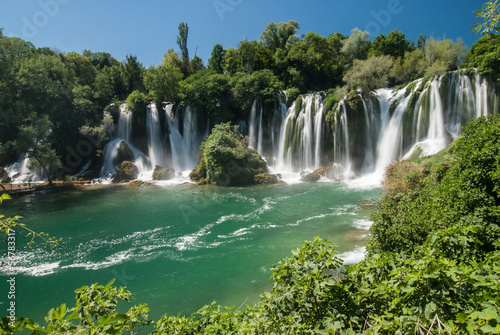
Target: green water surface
{"x": 177, "y": 247}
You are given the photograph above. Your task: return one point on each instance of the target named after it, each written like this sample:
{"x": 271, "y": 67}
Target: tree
{"x": 196, "y": 65}
{"x": 163, "y": 82}
{"x": 485, "y": 56}
{"x": 133, "y": 74}
{"x": 216, "y": 61}
{"x": 356, "y": 46}
{"x": 410, "y": 67}
{"x": 279, "y": 35}
{"x": 35, "y": 141}
{"x": 395, "y": 45}
{"x": 182, "y": 43}
{"x": 443, "y": 55}
{"x": 490, "y": 14}
{"x": 370, "y": 74}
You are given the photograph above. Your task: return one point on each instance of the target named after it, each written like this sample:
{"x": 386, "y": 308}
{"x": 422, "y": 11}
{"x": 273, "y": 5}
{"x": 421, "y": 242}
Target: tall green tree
{"x": 216, "y": 61}
{"x": 133, "y": 72}
{"x": 182, "y": 39}
{"x": 356, "y": 46}
{"x": 279, "y": 35}
{"x": 395, "y": 44}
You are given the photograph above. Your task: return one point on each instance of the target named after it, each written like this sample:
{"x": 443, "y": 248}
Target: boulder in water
{"x": 163, "y": 173}
{"x": 126, "y": 172}
{"x": 311, "y": 177}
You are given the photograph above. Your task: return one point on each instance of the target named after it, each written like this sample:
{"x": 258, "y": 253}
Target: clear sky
{"x": 148, "y": 28}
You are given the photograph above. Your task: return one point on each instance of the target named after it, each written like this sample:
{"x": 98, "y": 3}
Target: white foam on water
{"x": 362, "y": 224}
{"x": 353, "y": 257}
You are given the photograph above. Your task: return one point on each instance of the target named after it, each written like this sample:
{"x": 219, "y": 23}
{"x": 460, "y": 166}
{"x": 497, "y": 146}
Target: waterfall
{"x": 362, "y": 136}
{"x": 121, "y": 145}
{"x": 390, "y": 141}
{"x": 419, "y": 119}
{"x": 185, "y": 146}
{"x": 155, "y": 146}
{"x": 295, "y": 135}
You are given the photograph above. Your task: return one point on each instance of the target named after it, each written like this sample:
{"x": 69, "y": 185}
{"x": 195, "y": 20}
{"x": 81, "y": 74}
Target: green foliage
{"x": 216, "y": 61}
{"x": 35, "y": 140}
{"x": 370, "y": 74}
{"x": 163, "y": 83}
{"x": 426, "y": 204}
{"x": 443, "y": 55}
{"x": 95, "y": 312}
{"x": 209, "y": 94}
{"x": 485, "y": 56}
{"x": 263, "y": 85}
{"x": 301, "y": 294}
{"x": 226, "y": 159}
{"x": 356, "y": 46}
{"x": 279, "y": 35}
{"x": 395, "y": 44}
{"x": 490, "y": 14}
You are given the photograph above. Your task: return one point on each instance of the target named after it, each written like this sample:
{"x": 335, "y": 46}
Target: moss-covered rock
{"x": 126, "y": 172}
{"x": 266, "y": 179}
{"x": 160, "y": 173}
{"x": 124, "y": 153}
{"x": 226, "y": 160}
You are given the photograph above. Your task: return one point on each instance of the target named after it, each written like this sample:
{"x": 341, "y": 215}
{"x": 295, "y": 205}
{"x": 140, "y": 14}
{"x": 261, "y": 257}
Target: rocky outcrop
{"x": 267, "y": 179}
{"x": 163, "y": 173}
{"x": 311, "y": 177}
{"x": 126, "y": 172}
{"x": 124, "y": 153}
{"x": 226, "y": 159}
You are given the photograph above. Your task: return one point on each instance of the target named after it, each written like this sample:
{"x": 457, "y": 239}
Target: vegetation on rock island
{"x": 226, "y": 159}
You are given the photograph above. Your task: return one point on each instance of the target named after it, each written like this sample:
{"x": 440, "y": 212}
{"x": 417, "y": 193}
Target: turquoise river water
{"x": 177, "y": 247}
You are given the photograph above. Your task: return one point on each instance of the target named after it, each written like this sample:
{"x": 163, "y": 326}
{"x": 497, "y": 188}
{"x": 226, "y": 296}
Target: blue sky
{"x": 148, "y": 28}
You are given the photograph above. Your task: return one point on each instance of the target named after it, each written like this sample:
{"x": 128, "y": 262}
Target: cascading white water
{"x": 252, "y": 127}
{"x": 125, "y": 123}
{"x": 155, "y": 146}
{"x": 122, "y": 140}
{"x": 300, "y": 136}
{"x": 185, "y": 146}
{"x": 390, "y": 140}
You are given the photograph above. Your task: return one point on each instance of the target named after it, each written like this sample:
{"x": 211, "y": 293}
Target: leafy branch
{"x": 490, "y": 13}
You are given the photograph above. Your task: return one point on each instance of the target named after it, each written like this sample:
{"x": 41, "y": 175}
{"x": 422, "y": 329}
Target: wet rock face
{"x": 126, "y": 172}
{"x": 4, "y": 176}
{"x": 124, "y": 153}
{"x": 163, "y": 173}
{"x": 267, "y": 179}
{"x": 311, "y": 177}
